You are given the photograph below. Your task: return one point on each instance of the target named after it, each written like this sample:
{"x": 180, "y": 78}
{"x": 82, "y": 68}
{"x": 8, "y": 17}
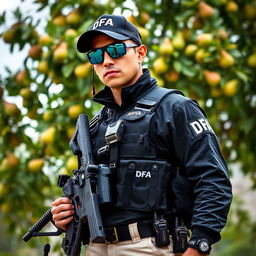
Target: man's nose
{"x": 107, "y": 59}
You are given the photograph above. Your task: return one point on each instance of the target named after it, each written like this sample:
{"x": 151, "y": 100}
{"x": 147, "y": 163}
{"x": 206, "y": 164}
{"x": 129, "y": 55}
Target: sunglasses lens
{"x": 113, "y": 50}
{"x": 96, "y": 56}
{"x": 116, "y": 50}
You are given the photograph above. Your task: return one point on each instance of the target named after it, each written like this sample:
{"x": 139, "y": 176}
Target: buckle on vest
{"x": 114, "y": 132}
{"x": 103, "y": 150}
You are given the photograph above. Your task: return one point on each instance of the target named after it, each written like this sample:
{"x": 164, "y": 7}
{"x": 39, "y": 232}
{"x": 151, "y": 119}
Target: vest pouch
{"x": 143, "y": 184}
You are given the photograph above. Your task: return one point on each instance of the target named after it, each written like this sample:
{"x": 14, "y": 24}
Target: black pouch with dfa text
{"x": 143, "y": 184}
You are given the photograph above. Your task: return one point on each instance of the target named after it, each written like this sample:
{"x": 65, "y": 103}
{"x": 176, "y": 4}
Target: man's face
{"x": 120, "y": 72}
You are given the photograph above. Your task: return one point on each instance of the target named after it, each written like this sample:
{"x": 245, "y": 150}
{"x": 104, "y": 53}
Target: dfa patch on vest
{"x": 134, "y": 115}
{"x": 200, "y": 126}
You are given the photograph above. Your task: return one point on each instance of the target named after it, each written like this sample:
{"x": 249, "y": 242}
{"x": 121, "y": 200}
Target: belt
{"x": 121, "y": 233}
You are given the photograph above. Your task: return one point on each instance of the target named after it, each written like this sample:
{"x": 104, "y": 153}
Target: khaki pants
{"x": 134, "y": 247}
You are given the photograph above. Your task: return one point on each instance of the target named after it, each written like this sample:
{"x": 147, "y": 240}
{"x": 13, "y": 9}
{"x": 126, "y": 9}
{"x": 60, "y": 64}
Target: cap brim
{"x": 84, "y": 41}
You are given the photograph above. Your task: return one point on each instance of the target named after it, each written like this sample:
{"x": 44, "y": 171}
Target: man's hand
{"x": 192, "y": 252}
{"x": 62, "y": 211}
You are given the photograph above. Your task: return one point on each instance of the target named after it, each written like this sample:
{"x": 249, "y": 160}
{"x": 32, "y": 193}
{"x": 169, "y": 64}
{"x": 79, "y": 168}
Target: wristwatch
{"x": 203, "y": 245}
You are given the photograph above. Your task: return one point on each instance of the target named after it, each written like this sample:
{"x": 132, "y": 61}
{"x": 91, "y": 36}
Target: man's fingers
{"x": 61, "y": 200}
{"x": 62, "y": 215}
{"x": 62, "y": 211}
{"x": 63, "y": 223}
{"x": 61, "y": 208}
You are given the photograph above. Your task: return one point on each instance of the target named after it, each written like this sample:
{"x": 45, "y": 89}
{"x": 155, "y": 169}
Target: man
{"x": 159, "y": 135}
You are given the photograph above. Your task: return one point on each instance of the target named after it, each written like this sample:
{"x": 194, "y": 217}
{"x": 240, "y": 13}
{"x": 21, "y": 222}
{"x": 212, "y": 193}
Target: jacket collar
{"x": 130, "y": 94}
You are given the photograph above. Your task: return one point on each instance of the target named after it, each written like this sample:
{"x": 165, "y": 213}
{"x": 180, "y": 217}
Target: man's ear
{"x": 142, "y": 52}
{"x": 94, "y": 69}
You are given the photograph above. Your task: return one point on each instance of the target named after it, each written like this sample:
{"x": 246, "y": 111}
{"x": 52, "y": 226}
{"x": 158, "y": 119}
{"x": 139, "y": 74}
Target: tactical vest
{"x": 142, "y": 180}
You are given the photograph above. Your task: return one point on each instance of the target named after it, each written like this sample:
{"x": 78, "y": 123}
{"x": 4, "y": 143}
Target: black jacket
{"x": 180, "y": 131}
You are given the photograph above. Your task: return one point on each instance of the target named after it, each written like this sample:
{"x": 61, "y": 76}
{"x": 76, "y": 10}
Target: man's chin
{"x": 115, "y": 84}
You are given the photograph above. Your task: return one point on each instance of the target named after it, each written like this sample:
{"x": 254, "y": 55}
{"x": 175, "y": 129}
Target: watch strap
{"x": 192, "y": 244}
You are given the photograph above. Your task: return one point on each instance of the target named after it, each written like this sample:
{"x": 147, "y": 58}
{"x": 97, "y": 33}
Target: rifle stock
{"x": 35, "y": 229}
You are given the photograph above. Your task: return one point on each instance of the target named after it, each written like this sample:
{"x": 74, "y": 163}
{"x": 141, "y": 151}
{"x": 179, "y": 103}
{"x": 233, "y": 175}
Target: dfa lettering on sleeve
{"x": 200, "y": 126}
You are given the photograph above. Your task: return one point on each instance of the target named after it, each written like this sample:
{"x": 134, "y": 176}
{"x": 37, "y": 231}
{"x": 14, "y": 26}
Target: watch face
{"x": 203, "y": 246}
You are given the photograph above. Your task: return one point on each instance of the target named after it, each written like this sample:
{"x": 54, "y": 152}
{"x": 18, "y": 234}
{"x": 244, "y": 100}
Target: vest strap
{"x": 97, "y": 118}
{"x": 150, "y": 101}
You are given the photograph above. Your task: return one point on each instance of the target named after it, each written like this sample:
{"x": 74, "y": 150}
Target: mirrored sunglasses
{"x": 114, "y": 51}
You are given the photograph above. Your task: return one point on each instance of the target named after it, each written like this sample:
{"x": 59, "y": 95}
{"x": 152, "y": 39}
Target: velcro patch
{"x": 134, "y": 115}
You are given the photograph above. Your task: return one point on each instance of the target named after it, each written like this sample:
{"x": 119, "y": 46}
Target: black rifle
{"x": 89, "y": 187}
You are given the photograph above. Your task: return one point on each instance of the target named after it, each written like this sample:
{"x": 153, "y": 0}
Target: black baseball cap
{"x": 115, "y": 26}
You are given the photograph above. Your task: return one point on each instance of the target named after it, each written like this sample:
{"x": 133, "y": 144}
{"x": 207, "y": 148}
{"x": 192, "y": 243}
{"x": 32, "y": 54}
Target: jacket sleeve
{"x": 197, "y": 151}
